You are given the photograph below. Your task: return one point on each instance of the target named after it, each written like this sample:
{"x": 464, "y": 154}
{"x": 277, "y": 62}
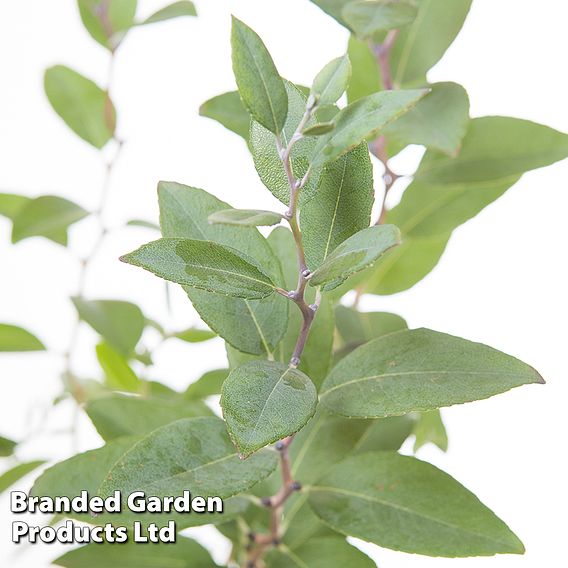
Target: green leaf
{"x": 120, "y": 323}
{"x": 228, "y": 110}
{"x": 253, "y": 326}
{"x": 439, "y": 121}
{"x": 86, "y": 471}
{"x": 208, "y": 384}
{"x": 260, "y": 86}
{"x": 430, "y": 429}
{"x": 107, "y": 20}
{"x": 494, "y": 148}
{"x": 14, "y": 338}
{"x": 422, "y": 44}
{"x": 246, "y": 217}
{"x": 142, "y": 223}
{"x": 342, "y": 206}
{"x": 267, "y": 160}
{"x": 6, "y": 447}
{"x": 318, "y": 129}
{"x": 333, "y": 7}
{"x": 116, "y": 416}
{"x": 8, "y": 478}
{"x": 419, "y": 369}
{"x": 356, "y": 253}
{"x": 82, "y": 104}
{"x": 194, "y": 454}
{"x": 355, "y": 328}
{"x": 330, "y": 83}
{"x": 118, "y": 373}
{"x": 11, "y": 204}
{"x": 369, "y": 19}
{"x": 405, "y": 504}
{"x": 184, "y": 553}
{"x": 365, "y": 76}
{"x": 174, "y": 10}
{"x": 264, "y": 401}
{"x": 206, "y": 265}
{"x": 363, "y": 119}
{"x": 321, "y": 552}
{"x": 46, "y": 216}
{"x": 404, "y": 266}
{"x": 195, "y": 335}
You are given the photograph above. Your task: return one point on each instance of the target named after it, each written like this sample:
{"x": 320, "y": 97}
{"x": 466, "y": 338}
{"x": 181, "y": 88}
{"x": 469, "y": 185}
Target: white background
{"x": 502, "y": 280}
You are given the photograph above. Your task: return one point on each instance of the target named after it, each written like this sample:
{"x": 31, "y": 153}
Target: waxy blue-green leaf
{"x": 420, "y": 45}
{"x": 206, "y": 265}
{"x": 11, "y": 203}
{"x": 265, "y": 401}
{"x": 439, "y": 121}
{"x": 318, "y": 129}
{"x": 354, "y": 254}
{"x": 267, "y": 161}
{"x": 171, "y": 11}
{"x": 116, "y": 416}
{"x": 260, "y": 86}
{"x": 194, "y": 454}
{"x": 6, "y": 447}
{"x": 208, "y": 384}
{"x": 118, "y": 373}
{"x": 46, "y": 216}
{"x": 342, "y": 207}
{"x": 245, "y": 217}
{"x": 228, "y": 110}
{"x": 369, "y": 19}
{"x": 494, "y": 148}
{"x": 405, "y": 504}
{"x": 107, "y": 20}
{"x": 363, "y": 119}
{"x": 184, "y": 553}
{"x": 419, "y": 369}
{"x": 15, "y": 338}
{"x": 320, "y": 552}
{"x": 14, "y": 474}
{"x": 330, "y": 83}
{"x": 252, "y": 326}
{"x": 81, "y": 103}
{"x": 120, "y": 323}
{"x": 430, "y": 429}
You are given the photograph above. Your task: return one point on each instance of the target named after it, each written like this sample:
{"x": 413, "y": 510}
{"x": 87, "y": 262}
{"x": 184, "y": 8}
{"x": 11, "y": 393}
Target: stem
{"x": 378, "y": 147}
{"x": 85, "y": 262}
{"x": 261, "y": 543}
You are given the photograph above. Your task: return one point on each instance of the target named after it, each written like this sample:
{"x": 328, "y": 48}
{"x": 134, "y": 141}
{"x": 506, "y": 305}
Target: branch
{"x": 261, "y": 543}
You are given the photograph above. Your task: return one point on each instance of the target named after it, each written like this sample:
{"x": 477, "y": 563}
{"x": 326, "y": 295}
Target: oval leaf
{"x": 330, "y": 83}
{"x": 175, "y": 10}
{"x": 419, "y": 369}
{"x": 228, "y": 110}
{"x": 8, "y": 478}
{"x": 318, "y": 129}
{"x": 363, "y": 119}
{"x": 246, "y": 217}
{"x": 264, "y": 401}
{"x": 405, "y": 504}
{"x": 194, "y": 454}
{"x": 205, "y": 265}
{"x": 107, "y": 20}
{"x": 47, "y": 216}
{"x": 356, "y": 253}
{"x": 14, "y": 338}
{"x": 120, "y": 323}
{"x": 260, "y": 86}
{"x": 82, "y": 104}
{"x": 119, "y": 375}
